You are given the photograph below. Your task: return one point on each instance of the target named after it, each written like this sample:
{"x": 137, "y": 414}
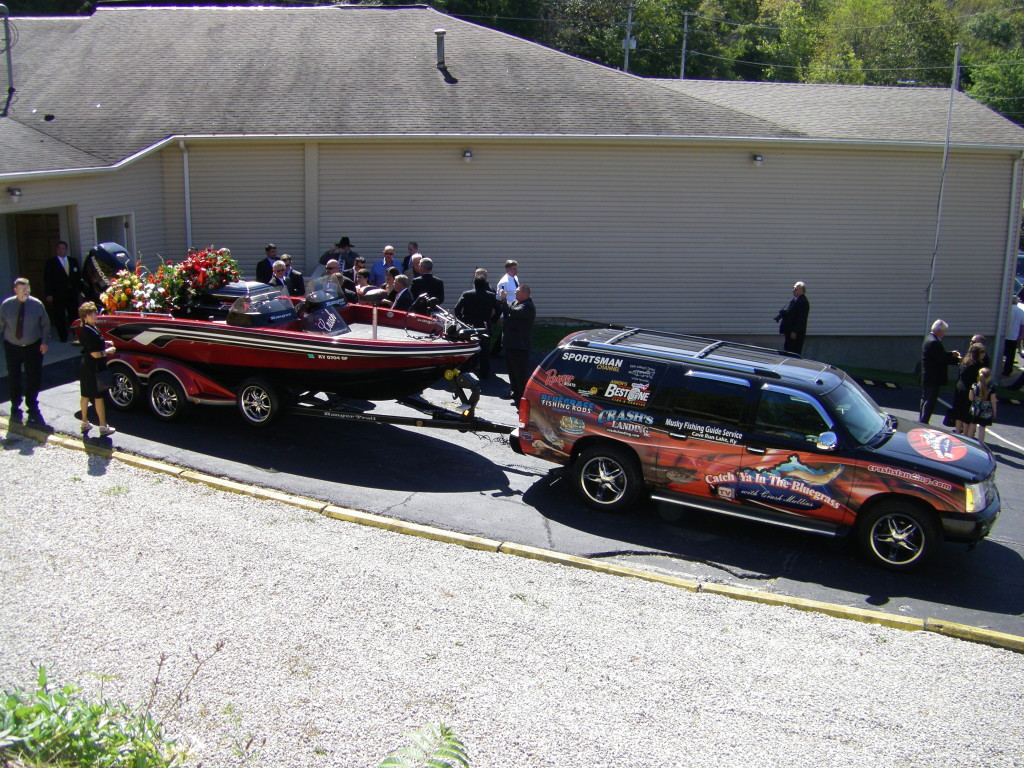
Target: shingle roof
{"x": 126, "y": 78}
{"x": 860, "y": 112}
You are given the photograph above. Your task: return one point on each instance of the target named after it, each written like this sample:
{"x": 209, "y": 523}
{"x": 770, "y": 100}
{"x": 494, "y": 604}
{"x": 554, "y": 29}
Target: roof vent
{"x": 441, "y": 66}
{"x": 440, "y": 47}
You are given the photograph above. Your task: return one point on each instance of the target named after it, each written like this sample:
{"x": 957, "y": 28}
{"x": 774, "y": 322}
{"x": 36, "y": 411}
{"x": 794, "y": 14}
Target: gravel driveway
{"x": 338, "y": 639}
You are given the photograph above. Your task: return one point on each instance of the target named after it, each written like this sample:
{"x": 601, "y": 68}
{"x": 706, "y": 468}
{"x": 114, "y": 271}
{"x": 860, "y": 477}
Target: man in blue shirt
{"x": 379, "y": 271}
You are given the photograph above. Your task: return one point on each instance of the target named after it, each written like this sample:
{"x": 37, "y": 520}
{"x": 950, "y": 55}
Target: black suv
{"x": 753, "y": 433}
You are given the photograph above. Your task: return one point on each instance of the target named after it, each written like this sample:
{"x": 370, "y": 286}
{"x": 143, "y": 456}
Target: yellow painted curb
{"x": 975, "y": 634}
{"x": 949, "y": 629}
{"x": 411, "y": 529}
{"x": 816, "y": 606}
{"x": 232, "y": 486}
{"x": 586, "y": 563}
{"x": 153, "y": 465}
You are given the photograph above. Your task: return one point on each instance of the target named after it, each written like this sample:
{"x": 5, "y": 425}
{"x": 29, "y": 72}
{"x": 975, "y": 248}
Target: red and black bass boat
{"x": 247, "y": 344}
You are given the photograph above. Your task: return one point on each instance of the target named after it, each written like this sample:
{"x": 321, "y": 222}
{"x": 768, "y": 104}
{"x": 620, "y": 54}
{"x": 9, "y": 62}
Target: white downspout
{"x": 1009, "y": 267}
{"x": 188, "y": 195}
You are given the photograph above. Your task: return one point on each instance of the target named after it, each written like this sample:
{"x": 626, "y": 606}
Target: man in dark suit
{"x": 62, "y": 288}
{"x": 516, "y": 336}
{"x": 350, "y": 274}
{"x": 793, "y": 325}
{"x": 293, "y": 278}
{"x": 404, "y": 298}
{"x": 279, "y": 277}
{"x": 935, "y": 362}
{"x": 479, "y": 308}
{"x": 427, "y": 284}
{"x": 265, "y": 269}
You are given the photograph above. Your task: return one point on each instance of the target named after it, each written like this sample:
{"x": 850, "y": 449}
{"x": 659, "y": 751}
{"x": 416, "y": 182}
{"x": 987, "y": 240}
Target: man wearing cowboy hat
{"x": 342, "y": 251}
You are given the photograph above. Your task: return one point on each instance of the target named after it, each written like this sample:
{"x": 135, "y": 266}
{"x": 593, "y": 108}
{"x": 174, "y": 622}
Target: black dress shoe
{"x": 35, "y": 416}
{"x": 16, "y": 414}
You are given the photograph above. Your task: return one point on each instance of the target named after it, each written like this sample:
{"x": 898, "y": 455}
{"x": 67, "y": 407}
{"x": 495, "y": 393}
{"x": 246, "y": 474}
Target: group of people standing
{"x": 400, "y": 285}
{"x": 974, "y": 401}
{"x": 510, "y": 305}
{"x": 25, "y": 328}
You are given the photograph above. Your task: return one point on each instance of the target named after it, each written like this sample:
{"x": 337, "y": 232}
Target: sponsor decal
{"x": 559, "y": 403}
{"x": 613, "y": 415}
{"x": 527, "y": 436}
{"x": 770, "y": 488}
{"x": 711, "y": 432}
{"x": 601, "y": 362}
{"x": 626, "y": 392}
{"x": 572, "y": 425}
{"x": 628, "y": 429}
{"x": 644, "y": 373}
{"x": 626, "y": 422}
{"x": 554, "y": 378}
{"x": 933, "y": 444}
{"x": 913, "y": 477}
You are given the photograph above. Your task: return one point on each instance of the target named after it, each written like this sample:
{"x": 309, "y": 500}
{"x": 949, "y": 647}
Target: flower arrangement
{"x": 205, "y": 271}
{"x": 122, "y": 291}
{"x": 172, "y": 286}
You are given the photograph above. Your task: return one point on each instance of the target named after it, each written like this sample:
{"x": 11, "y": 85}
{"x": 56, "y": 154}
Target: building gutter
{"x": 639, "y": 139}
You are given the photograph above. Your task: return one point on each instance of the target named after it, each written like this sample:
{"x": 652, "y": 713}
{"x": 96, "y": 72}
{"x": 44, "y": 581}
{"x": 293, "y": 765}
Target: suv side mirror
{"x": 827, "y": 441}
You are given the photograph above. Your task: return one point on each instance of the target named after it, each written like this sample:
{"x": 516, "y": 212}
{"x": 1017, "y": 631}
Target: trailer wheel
{"x": 125, "y": 391}
{"x": 258, "y": 402}
{"x": 167, "y": 398}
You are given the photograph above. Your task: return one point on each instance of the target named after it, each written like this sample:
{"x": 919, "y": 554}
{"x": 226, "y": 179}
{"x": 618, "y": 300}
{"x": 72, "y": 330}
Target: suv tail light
{"x": 524, "y": 413}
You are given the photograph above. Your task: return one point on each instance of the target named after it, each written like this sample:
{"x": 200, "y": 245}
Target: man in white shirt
{"x": 506, "y": 293}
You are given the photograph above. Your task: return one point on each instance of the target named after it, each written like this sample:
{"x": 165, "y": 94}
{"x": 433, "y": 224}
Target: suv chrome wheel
{"x": 607, "y": 478}
{"x": 897, "y": 537}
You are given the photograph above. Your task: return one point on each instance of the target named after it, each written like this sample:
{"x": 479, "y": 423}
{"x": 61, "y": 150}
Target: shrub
{"x": 54, "y": 725}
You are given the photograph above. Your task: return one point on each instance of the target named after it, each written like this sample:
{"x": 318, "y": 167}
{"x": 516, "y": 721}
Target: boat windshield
{"x": 861, "y": 416}
{"x": 323, "y": 302}
{"x": 265, "y": 309}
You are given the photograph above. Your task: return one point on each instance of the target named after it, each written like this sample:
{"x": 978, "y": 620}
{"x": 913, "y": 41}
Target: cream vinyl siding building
{"x": 626, "y": 201}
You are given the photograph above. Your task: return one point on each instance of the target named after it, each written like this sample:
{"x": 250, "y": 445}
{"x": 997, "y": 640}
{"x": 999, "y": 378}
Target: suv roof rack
{"x": 711, "y": 352}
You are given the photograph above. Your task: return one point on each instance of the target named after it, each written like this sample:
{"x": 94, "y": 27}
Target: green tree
{"x": 999, "y": 84}
{"x": 790, "y": 37}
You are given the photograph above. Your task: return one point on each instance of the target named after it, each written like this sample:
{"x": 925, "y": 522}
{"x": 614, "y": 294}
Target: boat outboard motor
{"x": 102, "y": 263}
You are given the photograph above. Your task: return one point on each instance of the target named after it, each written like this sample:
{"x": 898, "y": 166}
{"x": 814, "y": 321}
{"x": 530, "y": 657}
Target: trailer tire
{"x": 167, "y": 398}
{"x": 126, "y": 391}
{"x": 258, "y": 402}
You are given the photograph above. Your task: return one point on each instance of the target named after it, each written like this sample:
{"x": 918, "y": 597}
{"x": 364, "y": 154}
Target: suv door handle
{"x": 754, "y": 449}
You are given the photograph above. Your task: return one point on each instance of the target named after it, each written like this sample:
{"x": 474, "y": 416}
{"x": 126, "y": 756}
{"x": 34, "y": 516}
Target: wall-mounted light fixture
{"x": 756, "y": 158}
{"x": 15, "y": 194}
{"x": 467, "y": 156}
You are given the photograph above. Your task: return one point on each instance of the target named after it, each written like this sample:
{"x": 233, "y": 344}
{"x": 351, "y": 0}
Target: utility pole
{"x": 630, "y": 42}
{"x": 686, "y": 33}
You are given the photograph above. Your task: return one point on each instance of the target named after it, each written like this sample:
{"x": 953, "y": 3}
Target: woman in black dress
{"x": 94, "y": 358}
{"x": 975, "y": 359}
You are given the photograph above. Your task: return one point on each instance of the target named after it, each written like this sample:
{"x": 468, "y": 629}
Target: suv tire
{"x": 607, "y": 478}
{"x": 897, "y": 536}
